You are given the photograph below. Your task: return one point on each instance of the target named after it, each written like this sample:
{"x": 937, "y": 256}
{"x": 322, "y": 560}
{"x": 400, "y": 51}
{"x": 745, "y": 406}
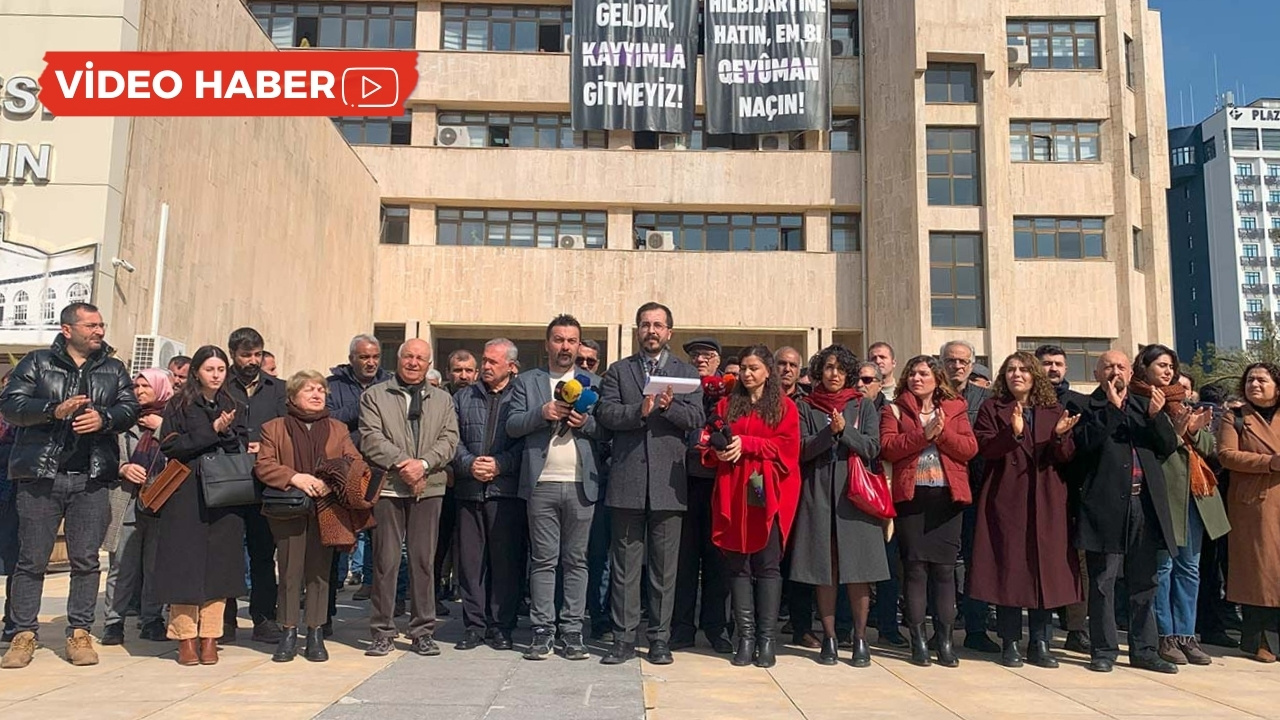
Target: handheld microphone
{"x": 567, "y": 392}
{"x": 586, "y": 400}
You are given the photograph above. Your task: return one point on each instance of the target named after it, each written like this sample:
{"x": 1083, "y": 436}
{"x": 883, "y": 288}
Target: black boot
{"x": 861, "y": 653}
{"x": 287, "y": 648}
{"x": 315, "y": 651}
{"x": 768, "y": 600}
{"x": 946, "y": 654}
{"x": 1038, "y": 654}
{"x": 829, "y": 654}
{"x": 744, "y": 619}
{"x": 1010, "y": 655}
{"x": 919, "y": 646}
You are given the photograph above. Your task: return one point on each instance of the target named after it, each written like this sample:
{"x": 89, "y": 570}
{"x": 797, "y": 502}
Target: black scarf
{"x": 415, "y": 398}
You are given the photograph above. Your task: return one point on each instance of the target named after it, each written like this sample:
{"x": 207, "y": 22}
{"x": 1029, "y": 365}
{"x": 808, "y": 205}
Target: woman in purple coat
{"x": 1022, "y": 555}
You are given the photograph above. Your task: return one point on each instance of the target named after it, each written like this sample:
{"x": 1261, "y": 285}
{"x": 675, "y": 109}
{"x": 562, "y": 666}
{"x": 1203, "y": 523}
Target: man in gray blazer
{"x": 647, "y": 484}
{"x": 560, "y": 481}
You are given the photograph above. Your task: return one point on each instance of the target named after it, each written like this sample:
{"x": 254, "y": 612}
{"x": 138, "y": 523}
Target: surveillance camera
{"x": 128, "y": 266}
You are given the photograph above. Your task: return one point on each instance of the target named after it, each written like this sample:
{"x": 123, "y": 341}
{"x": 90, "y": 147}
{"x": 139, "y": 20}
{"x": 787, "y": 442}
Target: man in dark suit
{"x": 647, "y": 483}
{"x": 1124, "y": 510}
{"x": 560, "y": 481}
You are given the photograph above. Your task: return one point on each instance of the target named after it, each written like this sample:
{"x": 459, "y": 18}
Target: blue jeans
{"x": 1179, "y": 582}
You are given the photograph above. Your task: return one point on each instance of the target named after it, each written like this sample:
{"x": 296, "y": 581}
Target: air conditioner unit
{"x": 154, "y": 351}
{"x": 774, "y": 141}
{"x": 453, "y": 136}
{"x": 568, "y": 42}
{"x": 842, "y": 47}
{"x": 572, "y": 242}
{"x": 659, "y": 240}
{"x": 1019, "y": 56}
{"x": 673, "y": 141}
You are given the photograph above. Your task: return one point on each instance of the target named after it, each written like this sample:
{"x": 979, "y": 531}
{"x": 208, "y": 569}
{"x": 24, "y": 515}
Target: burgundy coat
{"x": 1022, "y": 553}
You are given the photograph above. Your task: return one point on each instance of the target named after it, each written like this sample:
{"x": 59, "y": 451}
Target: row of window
{"x": 78, "y": 292}
{"x": 1250, "y": 222}
{"x": 1247, "y": 139}
{"x": 1247, "y": 195}
{"x": 349, "y": 25}
{"x": 1246, "y": 169}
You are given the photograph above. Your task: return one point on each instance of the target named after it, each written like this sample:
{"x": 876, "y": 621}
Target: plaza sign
{"x": 20, "y": 162}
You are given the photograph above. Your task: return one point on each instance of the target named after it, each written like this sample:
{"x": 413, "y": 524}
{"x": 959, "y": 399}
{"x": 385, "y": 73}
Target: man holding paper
{"x": 650, "y": 401}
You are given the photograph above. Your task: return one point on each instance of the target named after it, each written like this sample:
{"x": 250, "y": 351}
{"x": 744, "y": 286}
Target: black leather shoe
{"x": 1154, "y": 663}
{"x": 830, "y": 654}
{"x": 1038, "y": 654}
{"x": 919, "y": 648}
{"x": 113, "y": 634}
{"x": 1078, "y": 641}
{"x": 228, "y": 634}
{"x": 502, "y": 641}
{"x": 660, "y": 653}
{"x": 766, "y": 652}
{"x": 720, "y": 641}
{"x": 1219, "y": 639}
{"x": 315, "y": 650}
{"x": 682, "y": 642}
{"x": 981, "y": 642}
{"x": 946, "y": 653}
{"x": 266, "y": 631}
{"x": 471, "y": 639}
{"x": 425, "y": 645}
{"x": 620, "y": 653}
{"x": 380, "y": 647}
{"x": 155, "y": 631}
{"x": 1010, "y": 655}
{"x": 1101, "y": 664}
{"x": 287, "y": 647}
{"x": 861, "y": 653}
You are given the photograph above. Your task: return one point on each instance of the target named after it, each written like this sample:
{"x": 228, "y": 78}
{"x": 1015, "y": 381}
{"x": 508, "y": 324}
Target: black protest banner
{"x": 634, "y": 65}
{"x": 768, "y": 66}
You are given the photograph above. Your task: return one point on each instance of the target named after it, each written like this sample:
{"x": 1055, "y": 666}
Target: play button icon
{"x": 370, "y": 87}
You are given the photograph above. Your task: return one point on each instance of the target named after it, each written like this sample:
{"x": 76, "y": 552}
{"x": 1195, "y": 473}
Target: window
{"x": 1255, "y": 334}
{"x": 1128, "y": 62}
{"x": 1253, "y": 278}
{"x": 1183, "y": 156}
{"x": 1270, "y": 140}
{"x": 950, "y": 83}
{"x": 1244, "y": 138}
{"x": 1244, "y": 169}
{"x": 700, "y": 139}
{"x": 1246, "y": 195}
{"x": 1053, "y": 141}
{"x": 46, "y": 307}
{"x": 523, "y": 130}
{"x": 955, "y": 280}
{"x": 395, "y": 225}
{"x": 1082, "y": 353}
{"x": 1250, "y": 250}
{"x": 1133, "y": 155}
{"x": 1253, "y": 305}
{"x": 519, "y": 228}
{"x": 1137, "y": 248}
{"x": 1058, "y": 44}
{"x": 1249, "y": 222}
{"x": 1060, "y": 238}
{"x": 1275, "y": 225}
{"x": 376, "y": 130}
{"x": 953, "y": 166}
{"x": 1210, "y": 149}
{"x": 1, "y": 309}
{"x": 1273, "y": 170}
{"x": 506, "y": 28}
{"x": 723, "y": 232}
{"x": 77, "y": 293}
{"x": 844, "y": 134}
{"x": 20, "y": 300}
{"x": 1273, "y": 196}
{"x": 350, "y": 25}
{"x": 845, "y": 233}
{"x": 844, "y": 33}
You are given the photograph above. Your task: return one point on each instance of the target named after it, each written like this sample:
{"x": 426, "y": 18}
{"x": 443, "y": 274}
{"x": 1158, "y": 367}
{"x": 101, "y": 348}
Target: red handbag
{"x": 868, "y": 491}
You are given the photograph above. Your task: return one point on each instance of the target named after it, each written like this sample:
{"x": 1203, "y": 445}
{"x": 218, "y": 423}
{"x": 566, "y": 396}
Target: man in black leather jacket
{"x": 69, "y": 403}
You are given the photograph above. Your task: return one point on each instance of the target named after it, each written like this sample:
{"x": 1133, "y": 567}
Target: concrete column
{"x": 424, "y": 125}
{"x": 814, "y": 341}
{"x": 620, "y": 235}
{"x": 422, "y": 225}
{"x": 427, "y": 32}
{"x": 817, "y": 231}
{"x": 624, "y": 341}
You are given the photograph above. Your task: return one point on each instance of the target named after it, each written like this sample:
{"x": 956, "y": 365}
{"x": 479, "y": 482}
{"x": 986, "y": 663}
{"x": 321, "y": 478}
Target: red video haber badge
{"x": 326, "y": 83}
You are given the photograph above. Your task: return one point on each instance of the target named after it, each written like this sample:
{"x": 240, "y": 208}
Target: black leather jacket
{"x": 45, "y": 378}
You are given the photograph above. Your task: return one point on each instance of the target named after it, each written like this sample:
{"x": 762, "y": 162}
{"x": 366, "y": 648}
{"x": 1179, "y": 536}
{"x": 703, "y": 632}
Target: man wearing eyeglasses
{"x": 958, "y": 358}
{"x": 68, "y": 403}
{"x": 647, "y": 484}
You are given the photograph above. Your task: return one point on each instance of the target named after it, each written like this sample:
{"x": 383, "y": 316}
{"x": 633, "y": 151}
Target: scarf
{"x": 415, "y": 398}
{"x": 309, "y": 435}
{"x": 1267, "y": 413}
{"x": 829, "y": 402}
{"x": 1203, "y": 481}
{"x": 163, "y": 388}
{"x": 346, "y": 510}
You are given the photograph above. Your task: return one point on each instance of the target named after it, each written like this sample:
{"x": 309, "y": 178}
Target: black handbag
{"x": 287, "y": 504}
{"x": 227, "y": 479}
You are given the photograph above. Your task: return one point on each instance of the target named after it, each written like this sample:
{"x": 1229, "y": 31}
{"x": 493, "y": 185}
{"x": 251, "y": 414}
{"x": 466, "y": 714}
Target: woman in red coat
{"x": 926, "y": 436}
{"x": 1022, "y": 554}
{"x": 754, "y": 502}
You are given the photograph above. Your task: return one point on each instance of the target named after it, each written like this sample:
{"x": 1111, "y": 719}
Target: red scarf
{"x": 829, "y": 402}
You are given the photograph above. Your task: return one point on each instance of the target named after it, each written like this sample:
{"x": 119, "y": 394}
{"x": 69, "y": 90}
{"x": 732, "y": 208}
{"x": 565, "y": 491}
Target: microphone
{"x": 718, "y": 433}
{"x": 586, "y": 400}
{"x": 567, "y": 392}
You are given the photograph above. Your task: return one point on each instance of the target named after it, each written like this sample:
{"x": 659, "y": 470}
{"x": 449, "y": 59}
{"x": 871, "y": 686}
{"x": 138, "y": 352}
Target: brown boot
{"x": 20, "y": 652}
{"x": 80, "y": 649}
{"x": 187, "y": 652}
{"x": 1195, "y": 654}
{"x": 1171, "y": 650}
{"x": 208, "y": 651}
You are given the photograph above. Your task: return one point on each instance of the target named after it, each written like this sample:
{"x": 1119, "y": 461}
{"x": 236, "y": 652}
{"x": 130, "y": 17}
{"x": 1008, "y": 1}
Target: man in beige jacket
{"x": 409, "y": 430}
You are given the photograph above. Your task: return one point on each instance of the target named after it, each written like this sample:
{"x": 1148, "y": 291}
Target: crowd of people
{"x": 727, "y": 495}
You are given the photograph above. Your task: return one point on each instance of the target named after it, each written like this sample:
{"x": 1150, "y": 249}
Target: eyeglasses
{"x": 653, "y": 326}
{"x": 708, "y": 354}
{"x": 865, "y": 380}
{"x": 958, "y": 361}
{"x": 91, "y": 326}
{"x": 587, "y": 362}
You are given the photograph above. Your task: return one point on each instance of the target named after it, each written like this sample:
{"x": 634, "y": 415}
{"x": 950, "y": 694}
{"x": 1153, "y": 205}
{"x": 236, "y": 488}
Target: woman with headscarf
{"x": 131, "y": 537}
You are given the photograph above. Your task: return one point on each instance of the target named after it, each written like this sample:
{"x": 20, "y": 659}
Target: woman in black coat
{"x": 834, "y": 542}
{"x": 200, "y": 558}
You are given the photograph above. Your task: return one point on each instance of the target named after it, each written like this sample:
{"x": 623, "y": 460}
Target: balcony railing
{"x": 1275, "y": 289}
{"x": 1253, "y": 316}
{"x": 1253, "y": 344}
{"x": 1275, "y": 261}
{"x": 1249, "y": 207}
{"x": 1274, "y": 233}
{"x": 1249, "y": 233}
{"x": 1254, "y": 289}
{"x": 1253, "y": 261}
{"x": 1273, "y": 208}
{"x": 1252, "y": 180}
{"x": 1273, "y": 181}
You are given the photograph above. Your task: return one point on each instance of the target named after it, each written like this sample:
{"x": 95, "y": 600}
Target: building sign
{"x": 36, "y": 285}
{"x": 768, "y": 66}
{"x": 21, "y": 162}
{"x": 634, "y": 65}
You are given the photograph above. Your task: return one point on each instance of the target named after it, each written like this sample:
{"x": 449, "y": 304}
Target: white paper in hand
{"x": 658, "y": 385}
